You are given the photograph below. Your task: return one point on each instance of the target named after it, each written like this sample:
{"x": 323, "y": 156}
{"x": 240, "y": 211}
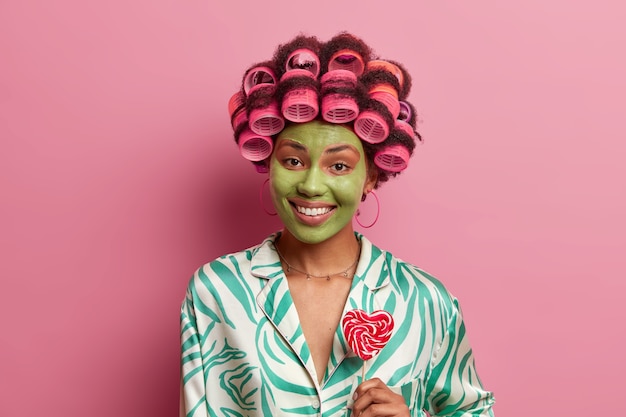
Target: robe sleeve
{"x": 193, "y": 395}
{"x": 453, "y": 388}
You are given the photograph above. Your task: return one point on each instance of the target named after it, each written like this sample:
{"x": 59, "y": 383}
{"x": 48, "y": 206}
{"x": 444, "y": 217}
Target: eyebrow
{"x": 331, "y": 150}
{"x": 338, "y": 148}
{"x": 295, "y": 145}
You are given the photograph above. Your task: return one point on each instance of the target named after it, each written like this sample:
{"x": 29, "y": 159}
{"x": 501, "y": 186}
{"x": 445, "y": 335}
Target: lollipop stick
{"x": 363, "y": 372}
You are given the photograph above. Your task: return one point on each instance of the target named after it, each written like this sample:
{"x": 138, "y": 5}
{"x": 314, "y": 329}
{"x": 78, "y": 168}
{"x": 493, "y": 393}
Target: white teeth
{"x": 318, "y": 211}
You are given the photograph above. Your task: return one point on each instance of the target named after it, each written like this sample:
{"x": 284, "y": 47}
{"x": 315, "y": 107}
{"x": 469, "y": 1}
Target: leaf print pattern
{"x": 244, "y": 353}
{"x": 236, "y": 384}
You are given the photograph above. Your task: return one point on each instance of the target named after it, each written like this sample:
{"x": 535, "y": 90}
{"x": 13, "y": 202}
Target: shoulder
{"x": 235, "y": 266}
{"x": 232, "y": 262}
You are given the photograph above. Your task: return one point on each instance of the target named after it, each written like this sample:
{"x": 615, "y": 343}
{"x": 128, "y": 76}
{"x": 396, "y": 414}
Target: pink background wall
{"x": 119, "y": 176}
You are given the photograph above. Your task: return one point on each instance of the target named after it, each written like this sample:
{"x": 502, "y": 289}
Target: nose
{"x": 313, "y": 184}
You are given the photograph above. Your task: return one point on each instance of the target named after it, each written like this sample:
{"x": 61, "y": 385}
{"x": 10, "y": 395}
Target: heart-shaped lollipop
{"x": 367, "y": 333}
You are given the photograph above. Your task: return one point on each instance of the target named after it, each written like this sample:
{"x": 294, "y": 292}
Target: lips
{"x": 312, "y": 214}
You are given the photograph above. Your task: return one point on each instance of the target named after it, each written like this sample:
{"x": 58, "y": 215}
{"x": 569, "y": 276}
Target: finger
{"x": 359, "y": 395}
{"x": 369, "y": 384}
{"x": 384, "y": 410}
{"x": 379, "y": 401}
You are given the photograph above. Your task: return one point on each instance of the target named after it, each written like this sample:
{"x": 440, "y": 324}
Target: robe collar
{"x": 274, "y": 299}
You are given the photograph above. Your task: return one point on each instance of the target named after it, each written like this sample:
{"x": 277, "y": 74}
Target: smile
{"x": 315, "y": 211}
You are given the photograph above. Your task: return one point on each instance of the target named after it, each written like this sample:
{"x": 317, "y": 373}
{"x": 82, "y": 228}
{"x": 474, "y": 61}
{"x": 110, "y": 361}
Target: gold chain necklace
{"x": 343, "y": 273}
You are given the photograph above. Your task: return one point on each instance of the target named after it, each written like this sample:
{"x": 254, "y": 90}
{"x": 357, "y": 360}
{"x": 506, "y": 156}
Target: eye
{"x": 340, "y": 167}
{"x": 292, "y": 162}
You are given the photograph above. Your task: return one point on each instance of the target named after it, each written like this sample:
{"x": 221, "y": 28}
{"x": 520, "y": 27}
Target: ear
{"x": 371, "y": 181}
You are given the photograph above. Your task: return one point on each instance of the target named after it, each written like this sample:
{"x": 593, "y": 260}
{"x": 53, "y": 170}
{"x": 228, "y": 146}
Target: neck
{"x": 329, "y": 256}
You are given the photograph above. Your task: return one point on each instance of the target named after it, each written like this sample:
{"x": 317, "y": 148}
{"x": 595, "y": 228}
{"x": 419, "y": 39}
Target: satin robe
{"x": 244, "y": 352}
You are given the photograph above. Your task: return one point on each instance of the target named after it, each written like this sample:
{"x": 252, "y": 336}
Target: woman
{"x": 261, "y": 328}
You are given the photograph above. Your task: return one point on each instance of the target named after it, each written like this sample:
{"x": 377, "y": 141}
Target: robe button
{"x": 315, "y": 405}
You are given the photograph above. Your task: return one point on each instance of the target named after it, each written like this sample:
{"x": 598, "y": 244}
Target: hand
{"x": 375, "y": 399}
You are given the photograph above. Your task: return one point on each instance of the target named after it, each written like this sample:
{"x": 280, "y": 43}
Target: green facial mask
{"x": 317, "y": 178}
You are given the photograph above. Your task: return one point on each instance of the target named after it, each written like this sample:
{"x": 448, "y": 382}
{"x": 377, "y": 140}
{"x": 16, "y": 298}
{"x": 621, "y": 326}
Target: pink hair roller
{"x": 404, "y": 127}
{"x": 258, "y": 77}
{"x": 239, "y": 119}
{"x": 392, "y": 158}
{"x": 235, "y": 102}
{"x": 265, "y": 121}
{"x": 387, "y": 95}
{"x": 336, "y": 107}
{"x": 389, "y": 67}
{"x": 300, "y": 104}
{"x": 371, "y": 127}
{"x": 254, "y": 147}
{"x": 303, "y": 59}
{"x": 347, "y": 60}
{"x": 237, "y": 110}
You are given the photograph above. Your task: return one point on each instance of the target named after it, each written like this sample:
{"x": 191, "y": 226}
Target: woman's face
{"x": 317, "y": 177}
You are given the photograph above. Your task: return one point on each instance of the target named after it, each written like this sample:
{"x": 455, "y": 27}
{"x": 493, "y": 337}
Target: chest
{"x": 319, "y": 305}
{"x": 264, "y": 354}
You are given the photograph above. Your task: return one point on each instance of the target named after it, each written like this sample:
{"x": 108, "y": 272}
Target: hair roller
{"x": 394, "y": 158}
{"x": 405, "y": 85}
{"x": 259, "y": 84}
{"x": 298, "y": 66}
{"x": 303, "y": 60}
{"x": 402, "y": 123}
{"x": 404, "y": 127}
{"x": 383, "y": 86}
{"x": 347, "y": 59}
{"x": 371, "y": 127}
{"x": 339, "y": 91}
{"x": 388, "y": 67}
{"x": 301, "y": 53}
{"x": 398, "y": 71}
{"x": 263, "y": 115}
{"x": 406, "y": 112}
{"x": 408, "y": 119}
{"x": 374, "y": 124}
{"x": 258, "y": 77}
{"x": 236, "y": 101}
{"x": 254, "y": 147}
{"x": 400, "y": 135}
{"x": 388, "y": 96}
{"x": 345, "y": 52}
{"x": 298, "y": 94}
{"x": 237, "y": 110}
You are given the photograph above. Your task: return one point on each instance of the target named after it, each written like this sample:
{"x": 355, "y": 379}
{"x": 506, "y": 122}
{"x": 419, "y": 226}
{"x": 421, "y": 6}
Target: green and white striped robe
{"x": 244, "y": 353}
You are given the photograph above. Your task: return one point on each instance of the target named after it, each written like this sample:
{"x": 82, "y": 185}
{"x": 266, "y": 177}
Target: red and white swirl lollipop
{"x": 367, "y": 333}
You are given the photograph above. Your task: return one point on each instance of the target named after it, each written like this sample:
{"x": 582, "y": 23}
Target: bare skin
{"x": 320, "y": 302}
{"x": 311, "y": 297}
